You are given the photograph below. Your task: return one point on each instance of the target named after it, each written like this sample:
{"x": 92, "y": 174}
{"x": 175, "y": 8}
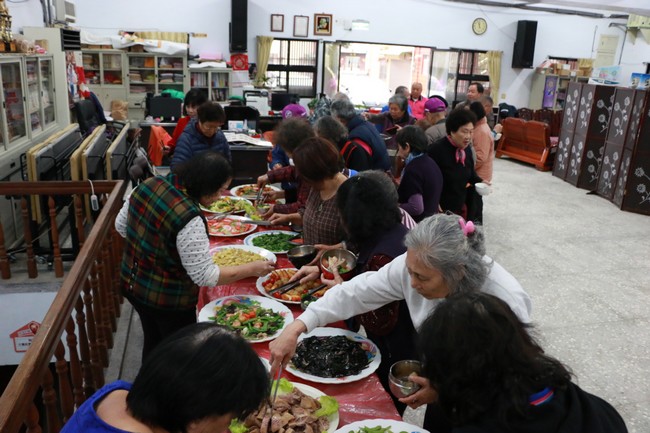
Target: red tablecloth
{"x": 360, "y": 400}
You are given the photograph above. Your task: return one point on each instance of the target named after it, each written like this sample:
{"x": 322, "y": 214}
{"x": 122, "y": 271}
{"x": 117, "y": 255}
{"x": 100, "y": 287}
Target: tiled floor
{"x": 585, "y": 264}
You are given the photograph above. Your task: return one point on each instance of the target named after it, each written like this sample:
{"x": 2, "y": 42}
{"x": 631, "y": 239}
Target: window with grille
{"x": 292, "y": 66}
{"x": 472, "y": 67}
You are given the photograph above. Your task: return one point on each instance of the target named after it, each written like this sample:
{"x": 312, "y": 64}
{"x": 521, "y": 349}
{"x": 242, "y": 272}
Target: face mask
{"x": 291, "y": 161}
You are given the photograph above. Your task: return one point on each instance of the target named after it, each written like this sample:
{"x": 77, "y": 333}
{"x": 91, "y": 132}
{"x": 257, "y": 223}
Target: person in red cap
{"x": 436, "y": 112}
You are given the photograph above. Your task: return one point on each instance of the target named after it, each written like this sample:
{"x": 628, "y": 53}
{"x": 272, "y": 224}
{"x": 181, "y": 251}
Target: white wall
{"x": 410, "y": 22}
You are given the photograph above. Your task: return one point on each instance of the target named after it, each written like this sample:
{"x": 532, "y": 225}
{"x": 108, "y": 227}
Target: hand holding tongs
{"x": 284, "y": 288}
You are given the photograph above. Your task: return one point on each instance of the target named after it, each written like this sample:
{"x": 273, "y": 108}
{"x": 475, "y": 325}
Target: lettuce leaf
{"x": 237, "y": 426}
{"x": 284, "y": 387}
{"x": 328, "y": 404}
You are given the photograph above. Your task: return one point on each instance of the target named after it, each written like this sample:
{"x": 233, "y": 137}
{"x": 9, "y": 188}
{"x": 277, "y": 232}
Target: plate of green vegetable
{"x": 255, "y": 318}
{"x": 381, "y": 426}
{"x": 276, "y": 241}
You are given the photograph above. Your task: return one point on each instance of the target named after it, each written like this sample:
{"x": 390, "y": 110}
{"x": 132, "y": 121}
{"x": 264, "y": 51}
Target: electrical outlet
{"x": 503, "y": 96}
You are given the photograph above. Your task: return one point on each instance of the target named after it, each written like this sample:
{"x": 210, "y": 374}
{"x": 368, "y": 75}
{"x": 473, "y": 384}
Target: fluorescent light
{"x": 360, "y": 25}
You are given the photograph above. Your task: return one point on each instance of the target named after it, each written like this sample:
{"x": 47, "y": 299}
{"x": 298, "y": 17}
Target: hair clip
{"x": 467, "y": 227}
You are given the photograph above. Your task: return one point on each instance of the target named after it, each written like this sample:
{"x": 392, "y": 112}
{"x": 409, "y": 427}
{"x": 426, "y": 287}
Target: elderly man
{"x": 474, "y": 92}
{"x": 362, "y": 131}
{"x": 435, "y": 111}
{"x": 417, "y": 101}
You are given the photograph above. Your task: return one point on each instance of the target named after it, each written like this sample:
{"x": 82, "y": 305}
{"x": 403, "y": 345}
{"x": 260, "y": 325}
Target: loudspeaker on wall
{"x": 524, "y": 49}
{"x": 239, "y": 26}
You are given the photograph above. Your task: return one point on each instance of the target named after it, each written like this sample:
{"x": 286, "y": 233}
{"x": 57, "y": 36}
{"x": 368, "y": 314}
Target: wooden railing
{"x": 85, "y": 308}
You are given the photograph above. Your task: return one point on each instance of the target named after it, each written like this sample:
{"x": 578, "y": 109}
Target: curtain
{"x": 494, "y": 70}
{"x": 263, "y": 54}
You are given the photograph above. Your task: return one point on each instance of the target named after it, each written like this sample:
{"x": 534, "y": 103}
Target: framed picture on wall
{"x": 277, "y": 23}
{"x": 323, "y": 24}
{"x": 301, "y": 26}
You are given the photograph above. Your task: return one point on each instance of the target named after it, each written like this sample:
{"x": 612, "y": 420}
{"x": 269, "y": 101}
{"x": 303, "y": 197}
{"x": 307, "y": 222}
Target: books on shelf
{"x": 234, "y": 137}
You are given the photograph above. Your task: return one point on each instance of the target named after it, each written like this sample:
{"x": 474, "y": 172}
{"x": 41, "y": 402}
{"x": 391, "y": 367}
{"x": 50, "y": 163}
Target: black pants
{"x": 435, "y": 420}
{"x": 158, "y": 324}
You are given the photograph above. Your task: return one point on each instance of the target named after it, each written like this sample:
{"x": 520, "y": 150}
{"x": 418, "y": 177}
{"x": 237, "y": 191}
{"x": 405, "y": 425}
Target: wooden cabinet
{"x": 105, "y": 74}
{"x": 550, "y": 90}
{"x": 153, "y": 73}
{"x": 215, "y": 82}
{"x": 580, "y": 151}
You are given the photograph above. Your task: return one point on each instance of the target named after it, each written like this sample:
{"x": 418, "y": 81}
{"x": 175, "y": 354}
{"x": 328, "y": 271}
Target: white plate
{"x": 208, "y": 311}
{"x": 234, "y": 190}
{"x": 395, "y": 426}
{"x": 369, "y": 346}
{"x": 268, "y": 255}
{"x": 248, "y": 240}
{"x": 252, "y": 227}
{"x": 266, "y": 363}
{"x": 316, "y": 393}
{"x": 208, "y": 211}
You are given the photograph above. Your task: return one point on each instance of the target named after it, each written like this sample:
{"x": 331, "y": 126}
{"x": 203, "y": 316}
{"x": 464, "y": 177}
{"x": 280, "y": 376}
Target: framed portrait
{"x": 323, "y": 24}
{"x": 300, "y": 26}
{"x": 277, "y": 23}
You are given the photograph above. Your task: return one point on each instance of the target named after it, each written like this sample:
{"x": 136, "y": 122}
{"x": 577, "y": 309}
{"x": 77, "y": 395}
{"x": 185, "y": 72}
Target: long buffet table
{"x": 360, "y": 400}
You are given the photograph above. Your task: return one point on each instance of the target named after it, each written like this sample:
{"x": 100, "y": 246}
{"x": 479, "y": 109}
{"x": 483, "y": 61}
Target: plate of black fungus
{"x": 333, "y": 355}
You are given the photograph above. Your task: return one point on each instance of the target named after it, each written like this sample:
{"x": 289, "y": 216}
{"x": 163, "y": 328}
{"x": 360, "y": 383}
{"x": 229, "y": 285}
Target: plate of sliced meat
{"x": 297, "y": 407}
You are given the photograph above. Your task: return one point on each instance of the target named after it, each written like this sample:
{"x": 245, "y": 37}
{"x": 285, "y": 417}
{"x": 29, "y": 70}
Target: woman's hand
{"x": 279, "y": 219}
{"x": 262, "y": 180}
{"x": 425, "y": 395}
{"x": 333, "y": 282}
{"x": 306, "y": 274}
{"x": 274, "y": 195}
{"x": 284, "y": 347}
{"x": 267, "y": 214}
{"x": 260, "y": 268}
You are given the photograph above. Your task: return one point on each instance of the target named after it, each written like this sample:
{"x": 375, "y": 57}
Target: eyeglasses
{"x": 209, "y": 128}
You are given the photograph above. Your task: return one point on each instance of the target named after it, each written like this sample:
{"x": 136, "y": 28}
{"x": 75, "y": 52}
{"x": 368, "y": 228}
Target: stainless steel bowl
{"x": 302, "y": 255}
{"x": 398, "y": 377}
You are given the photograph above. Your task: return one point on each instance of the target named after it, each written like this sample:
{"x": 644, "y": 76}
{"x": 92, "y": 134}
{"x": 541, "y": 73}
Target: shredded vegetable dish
{"x": 248, "y": 319}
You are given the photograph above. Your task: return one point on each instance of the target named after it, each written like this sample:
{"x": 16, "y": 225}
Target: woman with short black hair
{"x": 456, "y": 161}
{"x": 421, "y": 183}
{"x": 488, "y": 374}
{"x": 197, "y": 380}
{"x": 167, "y": 250}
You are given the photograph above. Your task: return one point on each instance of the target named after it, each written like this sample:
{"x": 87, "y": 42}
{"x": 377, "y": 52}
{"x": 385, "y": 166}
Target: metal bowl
{"x": 350, "y": 260}
{"x": 302, "y": 255}
{"x": 398, "y": 377}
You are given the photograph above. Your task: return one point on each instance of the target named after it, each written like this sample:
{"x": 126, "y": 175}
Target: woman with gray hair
{"x": 394, "y": 119}
{"x": 444, "y": 255}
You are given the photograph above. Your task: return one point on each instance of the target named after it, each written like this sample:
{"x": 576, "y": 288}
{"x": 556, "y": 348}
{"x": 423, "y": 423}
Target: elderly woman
{"x": 196, "y": 381}
{"x": 394, "y": 119}
{"x": 167, "y": 251}
{"x": 456, "y": 161}
{"x": 490, "y": 375}
{"x": 318, "y": 163}
{"x": 421, "y": 183}
{"x": 444, "y": 255}
{"x": 483, "y": 146}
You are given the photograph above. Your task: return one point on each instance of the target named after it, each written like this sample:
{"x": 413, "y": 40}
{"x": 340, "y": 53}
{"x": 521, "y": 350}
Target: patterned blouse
{"x": 320, "y": 221}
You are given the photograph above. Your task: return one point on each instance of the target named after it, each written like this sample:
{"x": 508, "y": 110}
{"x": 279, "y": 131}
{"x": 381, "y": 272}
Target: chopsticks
{"x": 219, "y": 217}
{"x": 315, "y": 289}
{"x": 284, "y": 288}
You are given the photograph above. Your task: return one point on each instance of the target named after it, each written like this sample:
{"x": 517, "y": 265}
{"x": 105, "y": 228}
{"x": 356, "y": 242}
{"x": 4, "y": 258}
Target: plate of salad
{"x": 276, "y": 241}
{"x": 228, "y": 204}
{"x": 333, "y": 355}
{"x": 250, "y": 190}
{"x": 292, "y": 403}
{"x": 381, "y": 426}
{"x": 230, "y": 226}
{"x": 255, "y": 318}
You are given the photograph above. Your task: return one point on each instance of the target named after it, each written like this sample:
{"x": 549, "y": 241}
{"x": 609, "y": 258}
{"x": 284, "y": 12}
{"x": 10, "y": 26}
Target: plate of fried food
{"x": 280, "y": 277}
{"x": 250, "y": 190}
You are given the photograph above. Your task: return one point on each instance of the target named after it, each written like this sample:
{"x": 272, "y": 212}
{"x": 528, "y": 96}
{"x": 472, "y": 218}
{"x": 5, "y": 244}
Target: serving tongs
{"x": 284, "y": 288}
{"x": 274, "y": 395}
{"x": 220, "y": 216}
{"x": 314, "y": 290}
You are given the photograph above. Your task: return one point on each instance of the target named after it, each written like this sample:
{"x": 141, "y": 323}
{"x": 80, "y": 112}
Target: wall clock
{"x": 479, "y": 26}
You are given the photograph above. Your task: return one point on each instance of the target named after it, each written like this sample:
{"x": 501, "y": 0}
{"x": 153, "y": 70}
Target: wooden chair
{"x": 525, "y": 113}
{"x": 527, "y": 141}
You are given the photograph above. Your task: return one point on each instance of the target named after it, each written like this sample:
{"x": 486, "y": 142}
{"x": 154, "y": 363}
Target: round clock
{"x": 479, "y": 26}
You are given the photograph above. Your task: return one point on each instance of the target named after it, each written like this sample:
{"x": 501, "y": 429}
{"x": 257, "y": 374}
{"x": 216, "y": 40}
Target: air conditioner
{"x": 65, "y": 11}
